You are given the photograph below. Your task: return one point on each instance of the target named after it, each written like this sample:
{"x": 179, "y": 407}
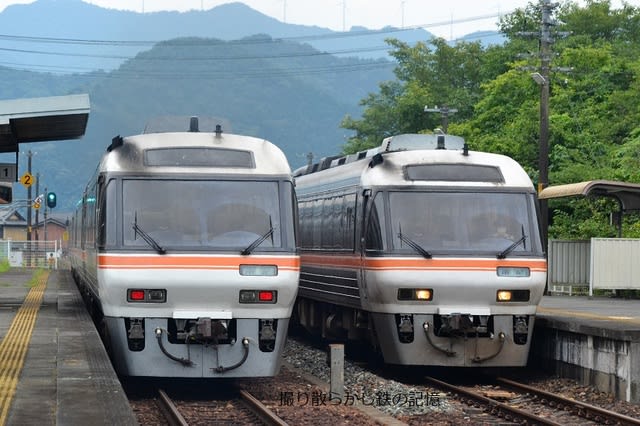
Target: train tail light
{"x": 139, "y": 295}
{"x": 258, "y": 296}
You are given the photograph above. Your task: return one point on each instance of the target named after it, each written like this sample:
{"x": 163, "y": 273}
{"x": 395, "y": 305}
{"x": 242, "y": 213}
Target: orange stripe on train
{"x": 194, "y": 262}
{"x": 388, "y": 263}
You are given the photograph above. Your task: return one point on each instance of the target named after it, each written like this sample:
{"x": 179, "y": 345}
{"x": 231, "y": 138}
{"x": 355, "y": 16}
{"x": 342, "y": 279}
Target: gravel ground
{"x": 300, "y": 401}
{"x": 421, "y": 405}
{"x": 366, "y": 387}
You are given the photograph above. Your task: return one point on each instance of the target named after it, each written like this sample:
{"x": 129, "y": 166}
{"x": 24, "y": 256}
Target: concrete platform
{"x": 66, "y": 378}
{"x": 593, "y": 340}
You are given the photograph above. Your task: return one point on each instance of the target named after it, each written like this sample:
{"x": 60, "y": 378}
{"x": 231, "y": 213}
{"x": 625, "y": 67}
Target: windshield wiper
{"x": 257, "y": 242}
{"x": 146, "y": 237}
{"x": 417, "y": 247}
{"x": 512, "y": 247}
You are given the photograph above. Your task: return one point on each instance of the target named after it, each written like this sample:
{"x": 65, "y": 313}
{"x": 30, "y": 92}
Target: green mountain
{"x": 284, "y": 91}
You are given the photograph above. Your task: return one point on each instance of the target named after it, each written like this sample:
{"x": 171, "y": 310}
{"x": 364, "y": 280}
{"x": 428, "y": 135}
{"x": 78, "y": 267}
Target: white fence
{"x": 615, "y": 264}
{"x": 601, "y": 263}
{"x": 31, "y": 254}
{"x": 569, "y": 266}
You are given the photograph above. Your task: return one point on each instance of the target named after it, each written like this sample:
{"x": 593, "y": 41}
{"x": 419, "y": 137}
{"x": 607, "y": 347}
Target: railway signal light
{"x": 51, "y": 199}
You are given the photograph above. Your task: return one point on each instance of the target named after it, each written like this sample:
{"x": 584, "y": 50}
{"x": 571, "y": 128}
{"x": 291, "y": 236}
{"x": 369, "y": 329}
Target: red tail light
{"x": 258, "y": 296}
{"x": 265, "y": 296}
{"x": 146, "y": 295}
{"x": 136, "y": 295}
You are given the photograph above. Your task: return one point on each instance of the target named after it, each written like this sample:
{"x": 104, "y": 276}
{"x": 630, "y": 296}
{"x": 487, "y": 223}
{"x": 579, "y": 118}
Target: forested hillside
{"x": 306, "y": 100}
{"x": 287, "y": 92}
{"x": 594, "y": 103}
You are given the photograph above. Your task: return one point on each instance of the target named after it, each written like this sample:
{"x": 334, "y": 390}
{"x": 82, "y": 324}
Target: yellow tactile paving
{"x": 587, "y": 315}
{"x": 13, "y": 348}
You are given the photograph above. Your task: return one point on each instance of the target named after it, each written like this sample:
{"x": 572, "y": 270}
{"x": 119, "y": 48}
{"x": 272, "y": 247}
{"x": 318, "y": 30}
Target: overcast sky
{"x": 448, "y": 19}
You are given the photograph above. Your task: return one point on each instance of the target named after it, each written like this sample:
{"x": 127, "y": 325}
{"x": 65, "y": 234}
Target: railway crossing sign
{"x": 27, "y": 179}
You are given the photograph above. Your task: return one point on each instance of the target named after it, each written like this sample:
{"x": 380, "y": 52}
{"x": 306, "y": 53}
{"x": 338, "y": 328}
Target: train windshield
{"x": 441, "y": 222}
{"x": 196, "y": 213}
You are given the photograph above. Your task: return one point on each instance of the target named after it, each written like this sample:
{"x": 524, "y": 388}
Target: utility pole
{"x": 544, "y": 83}
{"x": 29, "y": 197}
{"x": 444, "y": 114}
{"x": 45, "y": 217}
{"x": 542, "y": 76}
{"x": 37, "y": 210}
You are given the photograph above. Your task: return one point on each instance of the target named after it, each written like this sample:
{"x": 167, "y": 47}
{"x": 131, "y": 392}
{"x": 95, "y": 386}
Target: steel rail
{"x": 587, "y": 411}
{"x": 170, "y": 410}
{"x": 261, "y": 410}
{"x": 495, "y": 405}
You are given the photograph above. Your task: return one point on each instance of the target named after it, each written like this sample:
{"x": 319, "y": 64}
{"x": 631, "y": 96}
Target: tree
{"x": 427, "y": 74}
{"x": 594, "y": 115}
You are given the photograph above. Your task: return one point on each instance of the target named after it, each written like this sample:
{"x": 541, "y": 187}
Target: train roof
{"x": 429, "y": 160}
{"x": 195, "y": 152}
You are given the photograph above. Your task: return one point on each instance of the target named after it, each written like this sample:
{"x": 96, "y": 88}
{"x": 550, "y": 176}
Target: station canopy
{"x": 42, "y": 119}
{"x": 627, "y": 194}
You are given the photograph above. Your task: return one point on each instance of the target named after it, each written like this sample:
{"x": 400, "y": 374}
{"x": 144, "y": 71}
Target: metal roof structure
{"x": 42, "y": 119}
{"x": 627, "y": 194}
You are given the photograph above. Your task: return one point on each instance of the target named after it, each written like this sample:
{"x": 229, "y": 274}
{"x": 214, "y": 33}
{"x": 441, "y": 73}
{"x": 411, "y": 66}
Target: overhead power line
{"x": 135, "y": 74}
{"x": 332, "y": 35}
{"x": 202, "y": 58}
{"x": 201, "y": 41}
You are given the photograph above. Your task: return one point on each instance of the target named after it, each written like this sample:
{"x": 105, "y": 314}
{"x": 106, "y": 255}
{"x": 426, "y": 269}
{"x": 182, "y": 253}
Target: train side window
{"x": 328, "y": 224}
{"x": 305, "y": 217}
{"x": 105, "y": 213}
{"x": 101, "y": 225}
{"x": 317, "y": 223}
{"x": 349, "y": 212}
{"x": 375, "y": 228}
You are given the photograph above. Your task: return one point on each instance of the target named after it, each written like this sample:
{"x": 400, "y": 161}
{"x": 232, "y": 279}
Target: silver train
{"x": 184, "y": 247}
{"x": 429, "y": 252}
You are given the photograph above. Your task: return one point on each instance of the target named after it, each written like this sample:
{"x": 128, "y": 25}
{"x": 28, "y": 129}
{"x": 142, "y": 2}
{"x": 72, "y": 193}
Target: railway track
{"x": 520, "y": 403}
{"x": 236, "y": 407}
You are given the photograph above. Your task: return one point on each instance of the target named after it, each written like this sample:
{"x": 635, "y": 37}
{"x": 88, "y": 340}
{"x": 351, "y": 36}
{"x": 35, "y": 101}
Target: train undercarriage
{"x": 455, "y": 339}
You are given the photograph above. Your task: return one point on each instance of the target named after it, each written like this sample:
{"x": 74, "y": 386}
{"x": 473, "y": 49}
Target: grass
{"x": 36, "y": 277}
{"x": 4, "y": 266}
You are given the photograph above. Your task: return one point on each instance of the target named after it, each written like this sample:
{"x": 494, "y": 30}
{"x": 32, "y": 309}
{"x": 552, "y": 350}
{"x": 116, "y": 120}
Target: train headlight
{"x": 512, "y": 295}
{"x": 415, "y": 294}
{"x": 259, "y": 270}
{"x": 146, "y": 295}
{"x": 504, "y": 296}
{"x": 258, "y": 296}
{"x": 423, "y": 294}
